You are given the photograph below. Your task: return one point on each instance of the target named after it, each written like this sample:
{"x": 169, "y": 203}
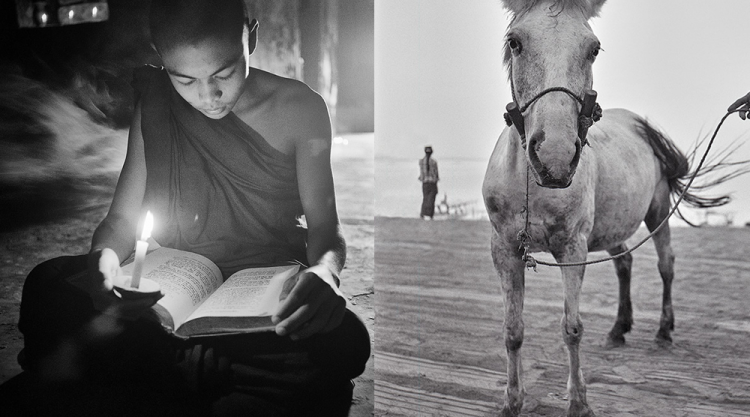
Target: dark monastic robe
{"x": 216, "y": 187}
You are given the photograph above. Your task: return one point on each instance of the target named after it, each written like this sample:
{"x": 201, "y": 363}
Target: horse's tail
{"x": 678, "y": 171}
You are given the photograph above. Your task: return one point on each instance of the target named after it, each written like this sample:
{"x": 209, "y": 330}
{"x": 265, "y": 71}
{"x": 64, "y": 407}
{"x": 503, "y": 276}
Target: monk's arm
{"x": 315, "y": 304}
{"x": 118, "y": 229}
{"x": 325, "y": 242}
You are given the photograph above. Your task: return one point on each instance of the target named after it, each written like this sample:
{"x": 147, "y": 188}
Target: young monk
{"x": 228, "y": 158}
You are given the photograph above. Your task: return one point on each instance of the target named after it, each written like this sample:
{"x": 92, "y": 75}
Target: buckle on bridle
{"x": 590, "y": 113}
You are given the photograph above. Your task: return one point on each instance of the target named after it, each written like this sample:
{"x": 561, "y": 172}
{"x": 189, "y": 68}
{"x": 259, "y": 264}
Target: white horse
{"x": 624, "y": 177}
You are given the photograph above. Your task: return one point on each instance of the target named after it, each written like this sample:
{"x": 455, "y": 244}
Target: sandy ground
{"x": 22, "y": 249}
{"x": 440, "y": 349}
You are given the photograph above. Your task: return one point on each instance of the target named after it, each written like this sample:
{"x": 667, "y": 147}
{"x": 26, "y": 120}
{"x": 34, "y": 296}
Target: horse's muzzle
{"x": 559, "y": 175}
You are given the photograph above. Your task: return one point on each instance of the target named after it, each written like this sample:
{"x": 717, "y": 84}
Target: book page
{"x": 186, "y": 279}
{"x": 250, "y": 292}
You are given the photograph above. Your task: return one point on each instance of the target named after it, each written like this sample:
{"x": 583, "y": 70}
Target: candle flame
{"x": 148, "y": 224}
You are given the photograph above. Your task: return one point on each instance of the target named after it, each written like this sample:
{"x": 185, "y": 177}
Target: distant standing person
{"x": 428, "y": 175}
{"x": 743, "y": 103}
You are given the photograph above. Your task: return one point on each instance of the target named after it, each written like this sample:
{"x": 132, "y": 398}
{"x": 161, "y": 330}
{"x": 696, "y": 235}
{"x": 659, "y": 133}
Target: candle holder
{"x": 147, "y": 289}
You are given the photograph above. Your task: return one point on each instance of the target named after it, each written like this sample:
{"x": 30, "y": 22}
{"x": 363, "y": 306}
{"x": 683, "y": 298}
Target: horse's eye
{"x": 514, "y": 46}
{"x": 595, "y": 52}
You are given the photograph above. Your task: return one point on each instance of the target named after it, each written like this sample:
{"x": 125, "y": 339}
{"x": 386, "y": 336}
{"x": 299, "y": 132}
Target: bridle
{"x": 590, "y": 111}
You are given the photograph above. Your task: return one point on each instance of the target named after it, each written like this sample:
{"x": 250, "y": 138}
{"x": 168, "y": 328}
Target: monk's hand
{"x": 104, "y": 274}
{"x": 743, "y": 104}
{"x": 103, "y": 266}
{"x": 311, "y": 303}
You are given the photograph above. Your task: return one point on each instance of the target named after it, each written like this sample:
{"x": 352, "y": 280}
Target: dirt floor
{"x": 440, "y": 349}
{"x": 22, "y": 249}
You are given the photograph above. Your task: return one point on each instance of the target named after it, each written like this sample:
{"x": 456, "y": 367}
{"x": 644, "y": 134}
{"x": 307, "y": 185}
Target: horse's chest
{"x": 552, "y": 231}
{"x": 551, "y": 221}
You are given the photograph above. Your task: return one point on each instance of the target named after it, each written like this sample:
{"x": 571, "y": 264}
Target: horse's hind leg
{"x": 510, "y": 270}
{"x": 658, "y": 211}
{"x": 624, "y": 320}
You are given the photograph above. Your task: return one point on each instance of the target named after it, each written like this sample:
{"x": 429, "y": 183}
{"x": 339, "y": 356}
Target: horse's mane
{"x": 589, "y": 8}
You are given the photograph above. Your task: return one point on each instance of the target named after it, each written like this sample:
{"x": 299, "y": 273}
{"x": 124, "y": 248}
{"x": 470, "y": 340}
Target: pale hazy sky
{"x": 439, "y": 77}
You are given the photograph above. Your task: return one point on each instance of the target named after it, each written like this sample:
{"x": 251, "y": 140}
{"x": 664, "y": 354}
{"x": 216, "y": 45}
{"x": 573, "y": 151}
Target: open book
{"x": 198, "y": 302}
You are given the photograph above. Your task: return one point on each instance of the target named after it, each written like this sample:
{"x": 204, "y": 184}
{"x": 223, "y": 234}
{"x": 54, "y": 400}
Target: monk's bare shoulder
{"x": 302, "y": 109}
{"x": 285, "y": 111}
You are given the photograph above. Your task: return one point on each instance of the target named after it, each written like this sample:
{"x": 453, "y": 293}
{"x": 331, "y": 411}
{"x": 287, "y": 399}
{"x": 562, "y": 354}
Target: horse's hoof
{"x": 513, "y": 403}
{"x": 507, "y": 412}
{"x": 580, "y": 410}
{"x": 663, "y": 339}
{"x": 612, "y": 342}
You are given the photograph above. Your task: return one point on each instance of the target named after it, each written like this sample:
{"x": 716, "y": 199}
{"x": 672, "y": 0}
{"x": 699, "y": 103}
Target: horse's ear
{"x": 515, "y": 6}
{"x": 595, "y": 6}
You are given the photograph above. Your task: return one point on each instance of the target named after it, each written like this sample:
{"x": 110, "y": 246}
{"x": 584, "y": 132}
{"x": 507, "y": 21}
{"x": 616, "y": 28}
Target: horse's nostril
{"x": 536, "y": 140}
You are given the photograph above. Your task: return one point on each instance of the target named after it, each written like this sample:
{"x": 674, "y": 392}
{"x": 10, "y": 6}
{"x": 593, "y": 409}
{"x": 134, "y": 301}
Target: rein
{"x": 525, "y": 238}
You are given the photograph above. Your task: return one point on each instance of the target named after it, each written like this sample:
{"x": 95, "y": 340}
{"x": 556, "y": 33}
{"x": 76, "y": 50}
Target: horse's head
{"x": 549, "y": 51}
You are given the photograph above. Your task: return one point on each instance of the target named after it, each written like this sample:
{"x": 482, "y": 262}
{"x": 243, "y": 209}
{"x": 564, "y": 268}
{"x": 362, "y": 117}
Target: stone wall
{"x": 278, "y": 48}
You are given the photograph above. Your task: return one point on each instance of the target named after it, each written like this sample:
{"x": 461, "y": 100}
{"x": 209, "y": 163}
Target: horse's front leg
{"x": 572, "y": 327}
{"x": 507, "y": 260}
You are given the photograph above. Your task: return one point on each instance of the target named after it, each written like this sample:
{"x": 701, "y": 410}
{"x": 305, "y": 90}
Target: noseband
{"x": 590, "y": 112}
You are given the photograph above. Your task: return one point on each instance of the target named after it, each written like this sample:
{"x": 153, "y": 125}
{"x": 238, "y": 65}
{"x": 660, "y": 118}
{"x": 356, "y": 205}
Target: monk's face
{"x": 210, "y": 74}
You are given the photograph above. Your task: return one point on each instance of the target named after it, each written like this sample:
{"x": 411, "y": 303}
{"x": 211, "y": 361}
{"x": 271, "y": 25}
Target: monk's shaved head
{"x": 188, "y": 22}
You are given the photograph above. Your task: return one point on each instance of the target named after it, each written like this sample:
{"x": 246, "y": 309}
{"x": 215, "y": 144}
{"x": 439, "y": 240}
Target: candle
{"x": 140, "y": 250}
